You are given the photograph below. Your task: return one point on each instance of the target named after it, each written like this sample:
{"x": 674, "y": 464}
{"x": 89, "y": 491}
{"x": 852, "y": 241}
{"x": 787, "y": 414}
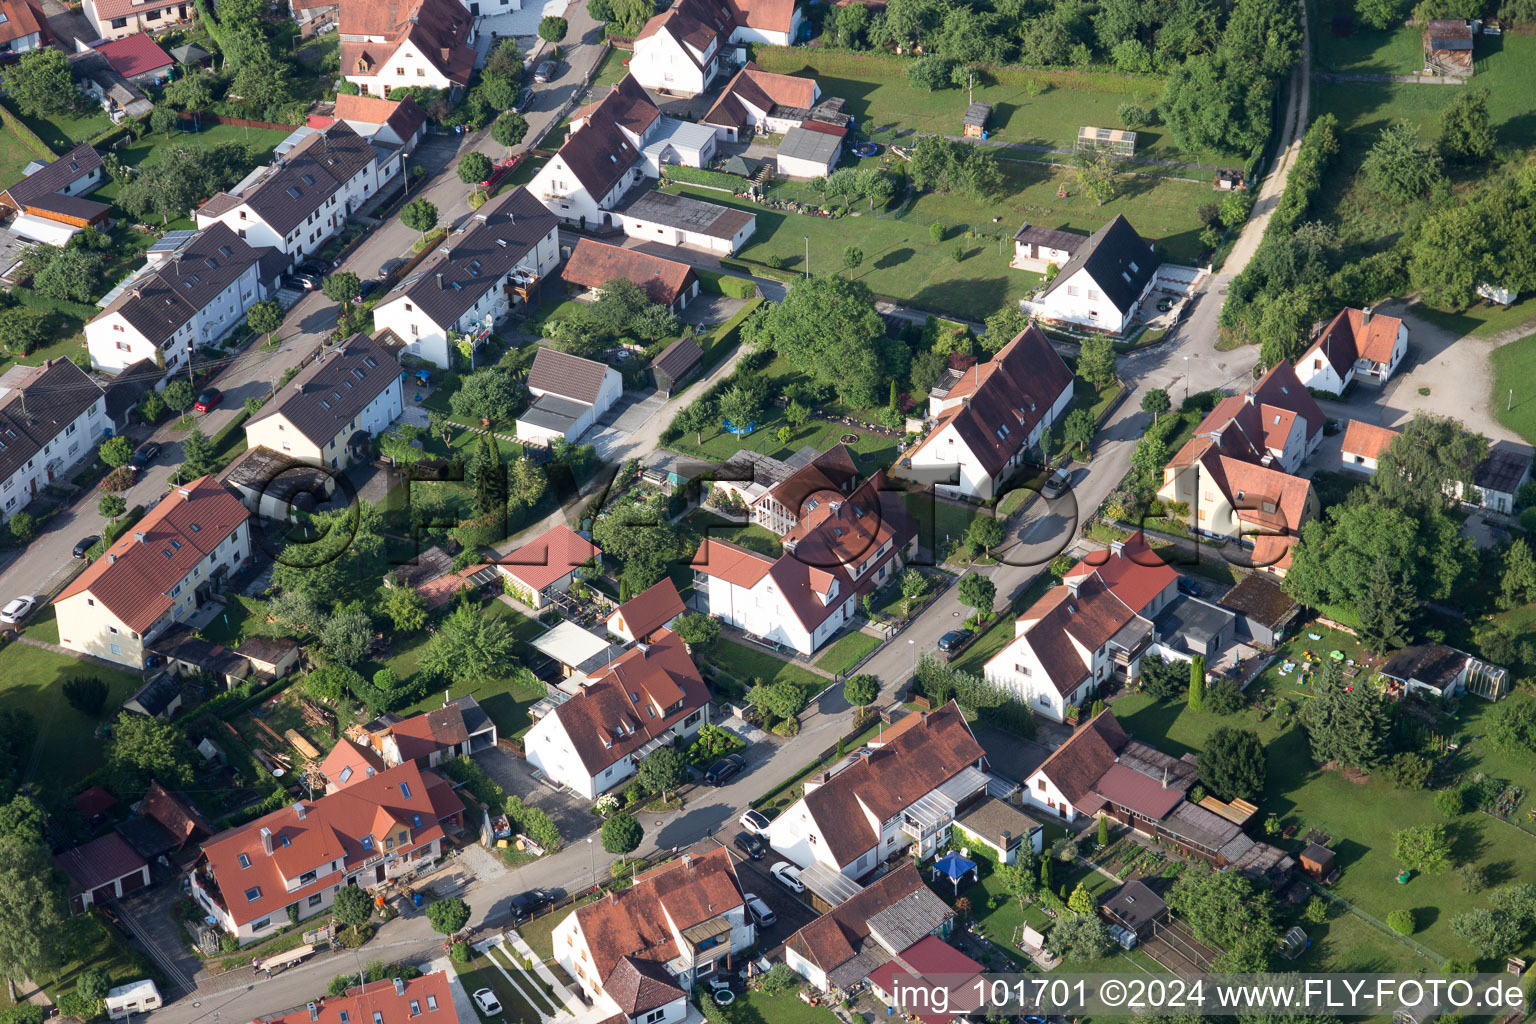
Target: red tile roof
{"x": 424, "y": 1000}
{"x": 1349, "y": 336}
{"x": 768, "y": 15}
{"x": 1251, "y": 487}
{"x": 176, "y": 816}
{"x": 425, "y": 734}
{"x": 438, "y": 28}
{"x": 626, "y": 104}
{"x": 1367, "y": 439}
{"x": 921, "y": 972}
{"x": 135, "y": 576}
{"x": 1239, "y": 421}
{"x": 557, "y": 552}
{"x": 832, "y": 938}
{"x": 363, "y": 761}
{"x": 404, "y": 116}
{"x": 639, "y": 986}
{"x": 106, "y": 10}
{"x": 593, "y": 264}
{"x": 1136, "y": 575}
{"x": 1087, "y": 754}
{"x": 764, "y": 90}
{"x": 93, "y": 801}
{"x": 1273, "y": 551}
{"x": 724, "y": 560}
{"x": 308, "y": 834}
{"x": 21, "y": 19}
{"x": 1143, "y": 794}
{"x": 649, "y": 610}
{"x": 99, "y": 862}
{"x": 1090, "y": 618}
{"x": 137, "y": 54}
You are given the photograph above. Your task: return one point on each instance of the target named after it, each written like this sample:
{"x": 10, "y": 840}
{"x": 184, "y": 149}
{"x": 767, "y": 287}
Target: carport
{"x": 829, "y": 886}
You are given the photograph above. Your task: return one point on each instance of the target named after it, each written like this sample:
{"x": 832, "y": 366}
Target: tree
{"x": 930, "y": 73}
{"x": 489, "y": 477}
{"x": 144, "y": 749}
{"x": 1103, "y": 832}
{"x": 1491, "y": 935}
{"x": 741, "y": 406}
{"x": 1511, "y": 726}
{"x": 469, "y": 647}
{"x": 985, "y": 532}
{"x": 1096, "y": 361}
{"x": 449, "y": 916}
{"x": 526, "y": 484}
{"x": 944, "y": 165}
{"x": 347, "y": 635}
{"x": 266, "y": 317}
{"x": 190, "y": 92}
{"x": 552, "y": 29}
{"x": 71, "y": 273}
{"x": 1518, "y": 581}
{"x": 861, "y": 690}
{"x": 663, "y": 770}
{"x": 352, "y": 906}
{"x": 978, "y": 592}
{"x": 780, "y": 979}
{"x": 1228, "y": 910}
{"x": 1466, "y": 132}
{"x": 852, "y": 257}
{"x": 1262, "y": 34}
{"x": 1399, "y": 167}
{"x": 111, "y": 506}
{"x": 1096, "y": 175}
{"x": 510, "y": 128}
{"x": 1163, "y": 680}
{"x": 1156, "y": 402}
{"x": 41, "y": 83}
{"x": 1078, "y": 429}
{"x": 115, "y": 451}
{"x": 1345, "y": 724}
{"x": 162, "y": 120}
{"x": 1422, "y": 848}
{"x": 699, "y": 630}
{"x": 1081, "y": 901}
{"x": 1233, "y": 765}
{"x": 178, "y": 394}
{"x": 474, "y": 168}
{"x": 197, "y": 455}
{"x": 621, "y": 834}
{"x": 1078, "y": 939}
{"x": 630, "y": 16}
{"x": 1197, "y": 683}
{"x": 32, "y": 918}
{"x": 1429, "y": 464}
{"x": 913, "y": 586}
{"x": 1387, "y": 607}
{"x": 21, "y": 330}
{"x": 1208, "y": 101}
{"x": 86, "y": 694}
{"x": 490, "y": 395}
{"x": 93, "y": 984}
{"x": 419, "y": 215}
{"x": 405, "y": 608}
{"x": 1381, "y": 14}
{"x": 828, "y": 329}
{"x": 342, "y": 287}
{"x": 781, "y": 699}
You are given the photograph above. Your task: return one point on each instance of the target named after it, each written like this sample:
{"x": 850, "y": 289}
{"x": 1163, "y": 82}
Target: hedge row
{"x": 1318, "y": 147}
{"x": 29, "y": 138}
{"x": 716, "y": 283}
{"x": 709, "y": 179}
{"x": 43, "y": 304}
{"x": 726, "y": 336}
{"x": 838, "y": 62}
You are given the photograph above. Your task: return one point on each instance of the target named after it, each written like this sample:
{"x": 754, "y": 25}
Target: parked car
{"x": 751, "y": 845}
{"x": 787, "y": 875}
{"x": 524, "y": 100}
{"x": 389, "y": 267}
{"x": 310, "y": 282}
{"x": 144, "y": 456}
{"x": 208, "y": 398}
{"x": 366, "y": 289}
{"x": 761, "y": 912}
{"x": 486, "y": 1000}
{"x": 546, "y": 71}
{"x": 85, "y": 544}
{"x": 725, "y": 769}
{"x": 17, "y": 610}
{"x": 754, "y": 821}
{"x": 525, "y": 904}
{"x": 1189, "y": 586}
{"x": 954, "y": 640}
{"x": 1056, "y": 484}
{"x": 496, "y": 172}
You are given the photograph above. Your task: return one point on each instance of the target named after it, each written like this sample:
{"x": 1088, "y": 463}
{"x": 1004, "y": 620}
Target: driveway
{"x": 791, "y": 913}
{"x": 149, "y": 915}
{"x": 571, "y": 814}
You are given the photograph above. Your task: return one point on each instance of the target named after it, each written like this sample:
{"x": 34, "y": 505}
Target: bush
{"x": 1223, "y": 697}
{"x": 621, "y": 834}
{"x": 1133, "y": 115}
{"x": 1401, "y": 922}
{"x": 459, "y": 952}
{"x": 1316, "y": 910}
{"x": 351, "y": 938}
{"x": 861, "y": 690}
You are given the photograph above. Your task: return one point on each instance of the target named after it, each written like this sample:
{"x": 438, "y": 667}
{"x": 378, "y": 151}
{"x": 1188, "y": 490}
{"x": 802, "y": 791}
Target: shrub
{"x": 1316, "y": 910}
{"x": 1133, "y": 115}
{"x": 351, "y": 938}
{"x": 459, "y": 952}
{"x": 1401, "y": 921}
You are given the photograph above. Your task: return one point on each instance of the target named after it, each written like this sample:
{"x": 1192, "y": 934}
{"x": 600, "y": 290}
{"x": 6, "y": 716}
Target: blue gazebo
{"x": 955, "y": 867}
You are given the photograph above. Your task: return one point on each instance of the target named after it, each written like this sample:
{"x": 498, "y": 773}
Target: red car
{"x": 209, "y": 398}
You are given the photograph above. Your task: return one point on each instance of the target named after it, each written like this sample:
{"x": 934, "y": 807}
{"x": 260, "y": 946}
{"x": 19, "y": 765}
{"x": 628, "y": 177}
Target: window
{"x": 415, "y": 1008}
{"x": 367, "y": 843}
{"x": 655, "y": 1015}
{"x": 421, "y": 72}
{"x": 253, "y": 894}
{"x": 405, "y": 790}
{"x": 245, "y": 861}
{"x": 112, "y": 630}
{"x": 119, "y": 22}
{"x": 346, "y": 773}
{"x": 1040, "y": 785}
{"x": 262, "y": 925}
{"x": 116, "y": 648}
{"x": 1072, "y": 290}
{"x": 314, "y": 901}
{"x": 1022, "y": 670}
{"x": 431, "y": 1002}
{"x": 1093, "y": 293}
{"x": 400, "y": 71}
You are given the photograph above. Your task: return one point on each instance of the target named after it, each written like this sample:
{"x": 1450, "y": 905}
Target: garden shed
{"x": 1317, "y": 861}
{"x": 975, "y": 120}
{"x": 1136, "y": 908}
{"x": 1119, "y": 143}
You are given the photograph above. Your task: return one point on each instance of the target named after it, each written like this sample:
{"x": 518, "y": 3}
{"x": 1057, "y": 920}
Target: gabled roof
{"x": 1135, "y": 573}
{"x": 695, "y": 23}
{"x": 21, "y": 18}
{"x": 1119, "y": 260}
{"x": 598, "y": 154}
{"x": 350, "y": 762}
{"x": 639, "y": 986}
{"x": 677, "y": 359}
{"x": 1050, "y": 238}
{"x": 650, "y": 609}
{"x": 762, "y": 90}
{"x": 427, "y": 999}
{"x": 41, "y": 189}
{"x": 176, "y": 816}
{"x": 834, "y": 938}
{"x": 1243, "y": 426}
{"x": 133, "y": 55}
{"x": 37, "y": 404}
{"x": 1249, "y": 487}
{"x": 626, "y": 105}
{"x": 425, "y": 734}
{"x": 163, "y": 301}
{"x": 686, "y": 214}
{"x": 1076, "y": 765}
{"x": 1260, "y": 599}
{"x": 1355, "y": 334}
{"x": 134, "y": 578}
{"x": 99, "y": 862}
{"x": 1366, "y": 439}
{"x": 724, "y": 560}
{"x": 767, "y": 15}
{"x": 567, "y": 376}
{"x": 593, "y": 264}
{"x": 403, "y": 116}
{"x": 330, "y": 392}
{"x": 1090, "y": 617}
{"x": 439, "y": 29}
{"x": 556, "y": 552}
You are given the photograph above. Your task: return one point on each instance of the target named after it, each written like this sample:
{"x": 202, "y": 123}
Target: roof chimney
{"x": 300, "y": 810}
{"x": 314, "y": 1011}
{"x": 1165, "y": 778}
{"x": 399, "y": 986}
{"x": 1116, "y": 547}
{"x": 138, "y": 535}
{"x": 1072, "y": 584}
{"x": 185, "y": 492}
{"x": 439, "y": 280}
{"x": 1365, "y": 316}
{"x": 266, "y": 841}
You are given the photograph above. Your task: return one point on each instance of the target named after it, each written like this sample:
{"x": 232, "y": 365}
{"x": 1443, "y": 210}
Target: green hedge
{"x": 43, "y": 304}
{"x": 709, "y": 179}
{"x": 1318, "y": 148}
{"x": 716, "y": 283}
{"x": 29, "y": 138}
{"x": 761, "y": 270}
{"x": 725, "y": 337}
{"x": 106, "y": 139}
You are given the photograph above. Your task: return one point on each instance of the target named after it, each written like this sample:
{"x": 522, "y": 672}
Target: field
{"x": 901, "y": 260}
{"x": 66, "y": 131}
{"x": 1397, "y": 51}
{"x": 65, "y": 747}
{"x": 1514, "y": 367}
{"x": 1036, "y": 109}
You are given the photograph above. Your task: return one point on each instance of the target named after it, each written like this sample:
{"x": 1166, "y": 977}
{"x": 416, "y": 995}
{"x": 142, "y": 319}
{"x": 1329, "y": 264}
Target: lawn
{"x": 14, "y": 156}
{"x": 1514, "y": 366}
{"x": 759, "y": 1008}
{"x": 64, "y": 132}
{"x": 480, "y": 973}
{"x": 902, "y": 261}
{"x": 749, "y": 535}
{"x": 1293, "y": 683}
{"x": 65, "y": 748}
{"x": 941, "y": 524}
{"x": 505, "y": 700}
{"x": 539, "y": 933}
{"x": 872, "y": 450}
{"x": 240, "y": 620}
{"x": 152, "y": 148}
{"x": 746, "y": 664}
{"x": 1358, "y": 49}
{"x": 90, "y": 941}
{"x": 539, "y": 994}
{"x": 845, "y": 653}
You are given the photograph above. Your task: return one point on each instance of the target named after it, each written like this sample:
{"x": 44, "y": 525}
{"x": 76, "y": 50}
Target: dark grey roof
{"x": 1109, "y": 255}
{"x": 553, "y": 413}
{"x": 329, "y": 393}
{"x": 1260, "y": 599}
{"x": 1134, "y": 905}
{"x": 1503, "y": 469}
{"x": 567, "y": 376}
{"x": 41, "y": 187}
{"x": 496, "y": 238}
{"x": 38, "y": 404}
{"x": 1191, "y": 617}
{"x": 181, "y": 644}
{"x": 991, "y": 817}
{"x": 806, "y": 144}
{"x": 1434, "y": 664}
{"x": 315, "y": 169}
{"x": 148, "y": 837}
{"x": 475, "y": 718}
{"x": 976, "y": 114}
{"x": 264, "y": 473}
{"x": 1066, "y": 241}
{"x": 161, "y": 303}
{"x": 189, "y": 53}
{"x": 687, "y": 214}
{"x": 678, "y": 358}
{"x": 157, "y": 695}
{"x": 125, "y": 389}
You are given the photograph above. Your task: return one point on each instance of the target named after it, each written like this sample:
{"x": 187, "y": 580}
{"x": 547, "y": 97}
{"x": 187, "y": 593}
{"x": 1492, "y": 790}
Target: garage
{"x": 102, "y": 870}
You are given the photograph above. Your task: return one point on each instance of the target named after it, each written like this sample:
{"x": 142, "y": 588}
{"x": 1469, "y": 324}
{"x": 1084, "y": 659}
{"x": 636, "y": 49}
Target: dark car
{"x": 725, "y": 769}
{"x": 1189, "y": 586}
{"x": 751, "y": 845}
{"x": 366, "y": 289}
{"x": 85, "y": 544}
{"x": 310, "y": 282}
{"x": 546, "y": 71}
{"x": 388, "y": 267}
{"x": 524, "y": 100}
{"x": 144, "y": 456}
{"x": 525, "y": 904}
{"x": 208, "y": 398}
{"x": 954, "y": 640}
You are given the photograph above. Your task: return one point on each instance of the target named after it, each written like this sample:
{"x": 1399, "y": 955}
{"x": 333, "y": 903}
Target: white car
{"x": 787, "y": 875}
{"x": 488, "y": 1003}
{"x": 754, "y": 821}
{"x": 16, "y": 610}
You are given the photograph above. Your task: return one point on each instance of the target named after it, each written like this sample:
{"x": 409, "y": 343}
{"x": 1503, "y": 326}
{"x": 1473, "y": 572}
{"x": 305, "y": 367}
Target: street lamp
{"x": 592, "y": 852}
{"x": 913, "y": 644}
{"x": 807, "y": 254}
{"x": 1186, "y": 378}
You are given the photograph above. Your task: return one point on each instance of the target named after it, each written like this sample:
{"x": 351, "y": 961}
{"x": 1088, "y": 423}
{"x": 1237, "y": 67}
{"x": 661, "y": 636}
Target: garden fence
{"x": 1380, "y": 926}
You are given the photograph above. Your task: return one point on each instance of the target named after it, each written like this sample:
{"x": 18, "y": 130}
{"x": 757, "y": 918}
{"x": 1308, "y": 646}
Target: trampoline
{"x": 865, "y": 149}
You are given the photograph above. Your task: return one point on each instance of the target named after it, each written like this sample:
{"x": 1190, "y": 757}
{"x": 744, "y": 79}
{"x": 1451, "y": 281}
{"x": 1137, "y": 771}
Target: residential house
{"x": 138, "y": 58}
{"x": 1001, "y": 829}
{"x": 23, "y": 26}
{"x": 665, "y": 282}
{"x": 1358, "y": 344}
{"x": 330, "y": 412}
{"x": 570, "y": 394}
{"x": 895, "y": 797}
{"x": 684, "y": 221}
{"x": 173, "y": 307}
{"x": 51, "y": 417}
{"x": 930, "y": 981}
{"x": 1272, "y": 553}
{"x": 837, "y": 552}
{"x": 1496, "y": 481}
{"x": 647, "y": 613}
{"x": 459, "y": 728}
{"x": 1236, "y": 473}
{"x": 836, "y": 952}
{"x": 475, "y": 278}
{"x": 639, "y": 951}
{"x": 1093, "y": 628}
{"x": 683, "y": 49}
{"x": 1037, "y": 249}
{"x": 114, "y": 19}
{"x": 809, "y": 151}
{"x": 394, "y": 122}
{"x": 1102, "y": 287}
{"x": 303, "y": 198}
{"x": 375, "y": 830}
{"x": 422, "y": 43}
{"x": 758, "y": 102}
{"x": 349, "y": 762}
{"x": 544, "y": 567}
{"x": 829, "y": 477}
{"x": 126, "y": 389}
{"x": 99, "y": 81}
{"x": 988, "y": 418}
{"x": 648, "y": 697}
{"x": 49, "y": 201}
{"x": 425, "y": 999}
{"x": 1435, "y": 670}
{"x": 102, "y": 870}
{"x": 155, "y": 575}
{"x": 1362, "y": 446}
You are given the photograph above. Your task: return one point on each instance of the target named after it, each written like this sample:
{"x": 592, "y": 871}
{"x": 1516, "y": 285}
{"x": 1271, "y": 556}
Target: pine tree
{"x": 1103, "y": 830}
{"x": 1519, "y": 578}
{"x": 1387, "y": 605}
{"x": 1081, "y": 901}
{"x": 894, "y": 396}
{"x": 1197, "y": 683}
{"x": 1045, "y": 873}
{"x": 490, "y": 495}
